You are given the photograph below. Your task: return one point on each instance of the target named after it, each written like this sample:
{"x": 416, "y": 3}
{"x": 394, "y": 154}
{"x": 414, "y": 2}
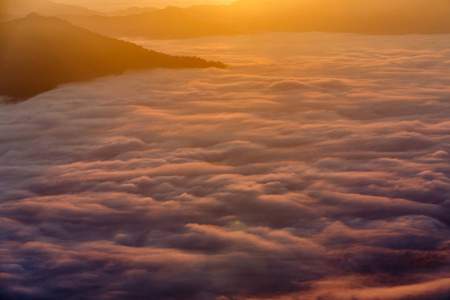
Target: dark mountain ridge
{"x": 39, "y": 53}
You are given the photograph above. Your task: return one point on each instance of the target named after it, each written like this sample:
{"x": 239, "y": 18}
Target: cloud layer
{"x": 315, "y": 167}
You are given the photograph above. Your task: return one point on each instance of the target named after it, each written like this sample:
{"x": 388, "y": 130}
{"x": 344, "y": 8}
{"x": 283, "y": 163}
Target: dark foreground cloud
{"x": 316, "y": 167}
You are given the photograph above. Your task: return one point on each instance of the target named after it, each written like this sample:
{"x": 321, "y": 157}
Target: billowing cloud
{"x": 311, "y": 169}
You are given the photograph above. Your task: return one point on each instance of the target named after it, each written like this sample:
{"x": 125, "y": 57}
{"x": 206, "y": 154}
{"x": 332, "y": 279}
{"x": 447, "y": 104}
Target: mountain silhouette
{"x": 168, "y": 23}
{"x": 131, "y": 11}
{"x": 39, "y": 53}
{"x": 250, "y": 16}
{"x": 21, "y": 8}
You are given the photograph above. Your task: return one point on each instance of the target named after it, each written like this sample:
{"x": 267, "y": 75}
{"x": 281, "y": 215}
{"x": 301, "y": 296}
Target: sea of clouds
{"x": 315, "y": 167}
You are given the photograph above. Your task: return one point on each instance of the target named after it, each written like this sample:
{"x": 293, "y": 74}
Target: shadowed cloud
{"x": 314, "y": 171}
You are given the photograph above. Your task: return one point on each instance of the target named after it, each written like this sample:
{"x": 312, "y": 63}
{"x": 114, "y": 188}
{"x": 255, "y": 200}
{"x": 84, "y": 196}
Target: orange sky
{"x": 116, "y": 4}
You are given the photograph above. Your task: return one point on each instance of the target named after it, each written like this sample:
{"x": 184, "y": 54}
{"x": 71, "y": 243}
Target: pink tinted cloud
{"x": 310, "y": 172}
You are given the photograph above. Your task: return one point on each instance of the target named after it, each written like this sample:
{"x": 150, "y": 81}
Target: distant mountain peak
{"x": 21, "y": 8}
{"x": 39, "y": 23}
{"x": 33, "y": 15}
{"x": 36, "y": 17}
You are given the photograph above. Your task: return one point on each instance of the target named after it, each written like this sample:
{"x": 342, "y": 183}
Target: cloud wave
{"x": 315, "y": 167}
